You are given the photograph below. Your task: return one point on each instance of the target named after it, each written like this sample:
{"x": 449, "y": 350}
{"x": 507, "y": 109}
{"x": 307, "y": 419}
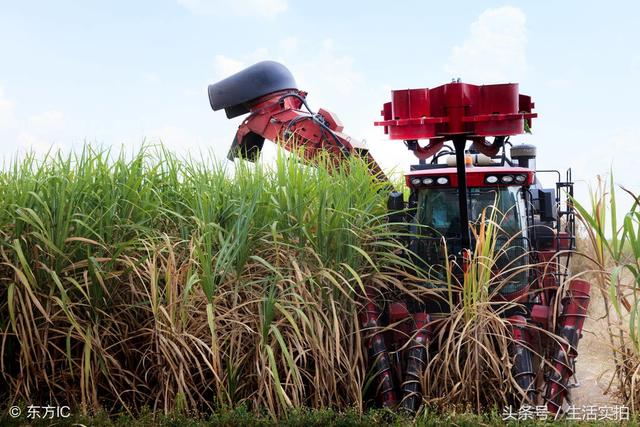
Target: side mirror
{"x": 547, "y": 205}
{"x": 395, "y": 206}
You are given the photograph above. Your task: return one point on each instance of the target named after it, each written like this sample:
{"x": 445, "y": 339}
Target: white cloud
{"x": 260, "y": 54}
{"x": 53, "y": 119}
{"x": 27, "y": 139}
{"x": 29, "y": 142}
{"x": 224, "y": 66}
{"x": 328, "y": 72}
{"x": 37, "y": 134}
{"x": 619, "y": 153}
{"x": 151, "y": 78}
{"x": 622, "y": 152}
{"x": 7, "y": 117}
{"x": 494, "y": 50}
{"x": 181, "y": 141}
{"x": 261, "y": 8}
{"x": 289, "y": 45}
{"x": 173, "y": 137}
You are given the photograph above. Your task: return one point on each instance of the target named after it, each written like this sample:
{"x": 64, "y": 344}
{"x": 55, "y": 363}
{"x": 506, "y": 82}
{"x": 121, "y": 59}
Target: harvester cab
{"x": 494, "y": 194}
{"x": 464, "y": 175}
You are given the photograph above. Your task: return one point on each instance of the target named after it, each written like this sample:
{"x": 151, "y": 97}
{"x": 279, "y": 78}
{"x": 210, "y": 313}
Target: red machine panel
{"x": 454, "y": 109}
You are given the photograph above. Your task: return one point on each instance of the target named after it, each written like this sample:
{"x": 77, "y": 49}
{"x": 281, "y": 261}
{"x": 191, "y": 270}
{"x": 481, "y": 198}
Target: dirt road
{"x": 594, "y": 364}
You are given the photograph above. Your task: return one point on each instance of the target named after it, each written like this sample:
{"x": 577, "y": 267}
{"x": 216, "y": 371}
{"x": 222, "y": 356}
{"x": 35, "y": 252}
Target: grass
{"x": 151, "y": 281}
{"x": 613, "y": 252}
{"x": 175, "y": 285}
{"x": 296, "y": 417}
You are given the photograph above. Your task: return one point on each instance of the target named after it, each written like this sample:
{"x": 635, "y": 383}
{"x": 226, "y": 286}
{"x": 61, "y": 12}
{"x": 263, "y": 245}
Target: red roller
{"x": 574, "y": 312}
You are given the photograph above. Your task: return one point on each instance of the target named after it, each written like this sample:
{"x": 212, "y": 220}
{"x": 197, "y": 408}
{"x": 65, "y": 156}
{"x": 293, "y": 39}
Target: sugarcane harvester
{"x": 460, "y": 133}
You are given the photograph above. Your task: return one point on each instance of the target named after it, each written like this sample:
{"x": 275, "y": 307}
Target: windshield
{"x": 438, "y": 210}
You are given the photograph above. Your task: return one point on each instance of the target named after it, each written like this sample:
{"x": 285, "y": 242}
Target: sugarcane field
{"x": 272, "y": 212}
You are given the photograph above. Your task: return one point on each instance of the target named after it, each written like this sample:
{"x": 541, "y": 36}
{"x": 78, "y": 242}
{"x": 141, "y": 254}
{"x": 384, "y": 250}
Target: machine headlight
{"x": 442, "y": 180}
{"x": 491, "y": 179}
{"x": 507, "y": 179}
{"x": 521, "y": 178}
{"x": 427, "y": 181}
{"x": 415, "y": 181}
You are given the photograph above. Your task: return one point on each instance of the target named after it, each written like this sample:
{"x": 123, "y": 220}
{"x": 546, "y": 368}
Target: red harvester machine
{"x": 450, "y": 185}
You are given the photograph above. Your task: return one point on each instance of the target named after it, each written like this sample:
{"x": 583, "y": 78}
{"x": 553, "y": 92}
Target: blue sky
{"x": 115, "y": 72}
